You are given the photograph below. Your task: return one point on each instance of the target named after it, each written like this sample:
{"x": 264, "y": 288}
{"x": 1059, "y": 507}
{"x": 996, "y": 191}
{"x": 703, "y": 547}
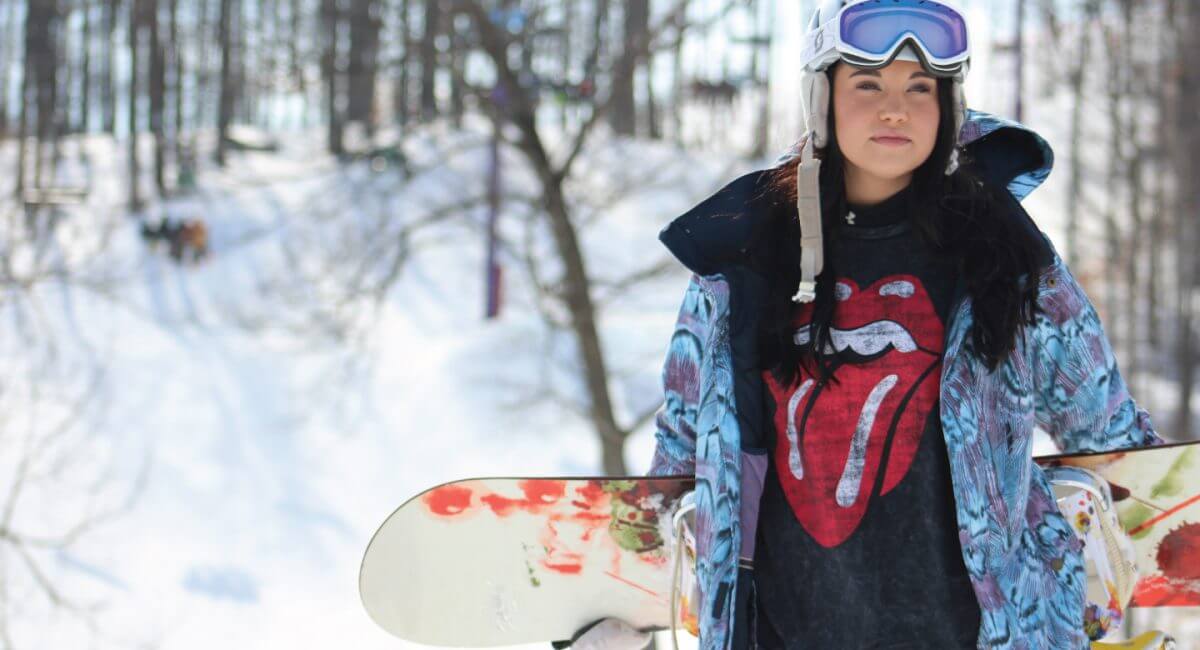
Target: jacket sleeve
{"x": 675, "y": 422}
{"x": 1079, "y": 396}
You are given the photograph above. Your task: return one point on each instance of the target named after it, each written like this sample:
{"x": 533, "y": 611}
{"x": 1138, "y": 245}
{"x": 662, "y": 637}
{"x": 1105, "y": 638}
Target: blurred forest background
{"x": 296, "y": 214}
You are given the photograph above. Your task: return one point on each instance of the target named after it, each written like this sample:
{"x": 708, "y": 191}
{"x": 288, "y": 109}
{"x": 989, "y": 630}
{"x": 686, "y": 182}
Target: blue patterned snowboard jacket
{"x": 1024, "y": 561}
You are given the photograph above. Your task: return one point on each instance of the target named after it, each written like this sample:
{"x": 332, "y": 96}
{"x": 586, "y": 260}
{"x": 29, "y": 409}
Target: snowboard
{"x": 502, "y": 561}
{"x": 1156, "y": 491}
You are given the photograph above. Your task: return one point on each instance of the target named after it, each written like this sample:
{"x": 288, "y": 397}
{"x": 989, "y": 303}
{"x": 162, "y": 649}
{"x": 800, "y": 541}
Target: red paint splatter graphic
{"x": 568, "y": 533}
{"x": 538, "y": 495}
{"x": 1178, "y": 584}
{"x": 1179, "y": 553}
{"x": 624, "y": 514}
{"x": 1161, "y": 591}
{"x": 589, "y": 495}
{"x": 448, "y": 500}
{"x": 455, "y": 499}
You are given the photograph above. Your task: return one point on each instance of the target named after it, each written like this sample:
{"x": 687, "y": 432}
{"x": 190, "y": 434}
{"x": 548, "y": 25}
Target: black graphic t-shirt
{"x": 857, "y": 539}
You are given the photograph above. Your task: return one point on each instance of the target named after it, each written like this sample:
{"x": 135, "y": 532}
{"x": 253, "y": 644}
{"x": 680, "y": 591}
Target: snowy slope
{"x": 253, "y": 451}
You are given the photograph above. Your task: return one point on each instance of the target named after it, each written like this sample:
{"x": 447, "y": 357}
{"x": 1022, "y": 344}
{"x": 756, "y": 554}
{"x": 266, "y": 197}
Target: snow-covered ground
{"x": 249, "y": 438}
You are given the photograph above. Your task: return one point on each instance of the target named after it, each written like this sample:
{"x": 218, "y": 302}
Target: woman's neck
{"x": 865, "y": 189}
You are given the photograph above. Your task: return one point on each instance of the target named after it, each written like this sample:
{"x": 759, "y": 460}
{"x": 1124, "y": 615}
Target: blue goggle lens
{"x": 877, "y": 27}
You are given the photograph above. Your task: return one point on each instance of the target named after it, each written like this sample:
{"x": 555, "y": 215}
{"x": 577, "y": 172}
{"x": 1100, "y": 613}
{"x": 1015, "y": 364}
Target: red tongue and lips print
{"x": 834, "y": 440}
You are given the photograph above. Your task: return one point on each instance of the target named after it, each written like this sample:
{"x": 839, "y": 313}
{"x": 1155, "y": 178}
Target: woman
{"x": 856, "y": 372}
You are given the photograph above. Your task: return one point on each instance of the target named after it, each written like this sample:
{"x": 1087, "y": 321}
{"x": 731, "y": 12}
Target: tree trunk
{"x": 1077, "y": 73}
{"x": 429, "y": 59}
{"x": 1164, "y": 92}
{"x": 330, "y": 17}
{"x": 760, "y": 75}
{"x": 623, "y": 111}
{"x": 677, "y": 84}
{"x": 458, "y": 61}
{"x": 264, "y": 80}
{"x": 42, "y": 51}
{"x": 8, "y": 39}
{"x": 599, "y": 39}
{"x": 23, "y": 119}
{"x": 243, "y": 96}
{"x": 1112, "y": 229}
{"x": 225, "y": 102}
{"x": 401, "y": 101}
{"x": 653, "y": 118}
{"x": 108, "y": 89}
{"x": 85, "y": 73}
{"x": 365, "y": 23}
{"x": 564, "y": 53}
{"x": 176, "y": 81}
{"x": 1188, "y": 169}
{"x": 158, "y": 92}
{"x": 579, "y": 304}
{"x": 295, "y": 65}
{"x": 135, "y": 55}
{"x": 203, "y": 67}
{"x": 1133, "y": 181}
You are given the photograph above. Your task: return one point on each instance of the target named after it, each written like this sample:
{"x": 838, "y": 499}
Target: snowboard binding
{"x": 685, "y": 589}
{"x": 1086, "y": 501}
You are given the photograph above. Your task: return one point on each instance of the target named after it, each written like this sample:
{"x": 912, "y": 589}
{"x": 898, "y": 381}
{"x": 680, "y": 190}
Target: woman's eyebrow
{"x": 875, "y": 73}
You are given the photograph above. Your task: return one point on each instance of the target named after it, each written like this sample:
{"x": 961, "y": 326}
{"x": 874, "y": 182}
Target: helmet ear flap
{"x": 815, "y": 94}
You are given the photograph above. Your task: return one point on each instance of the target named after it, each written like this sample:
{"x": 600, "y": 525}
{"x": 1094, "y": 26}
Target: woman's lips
{"x": 892, "y": 142}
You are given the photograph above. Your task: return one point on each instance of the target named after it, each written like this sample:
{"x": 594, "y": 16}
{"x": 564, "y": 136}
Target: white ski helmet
{"x": 871, "y": 34}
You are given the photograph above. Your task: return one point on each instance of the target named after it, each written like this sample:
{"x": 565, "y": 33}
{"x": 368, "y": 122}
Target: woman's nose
{"x": 893, "y": 109}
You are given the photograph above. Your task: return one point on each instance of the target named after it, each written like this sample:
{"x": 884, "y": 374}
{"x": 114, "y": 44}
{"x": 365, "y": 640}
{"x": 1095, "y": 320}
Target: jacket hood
{"x": 717, "y": 230}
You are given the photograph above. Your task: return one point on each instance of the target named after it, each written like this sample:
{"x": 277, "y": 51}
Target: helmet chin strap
{"x": 808, "y": 206}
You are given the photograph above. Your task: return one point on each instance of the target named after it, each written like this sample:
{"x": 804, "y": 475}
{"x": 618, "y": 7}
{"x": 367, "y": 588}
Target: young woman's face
{"x": 869, "y": 105}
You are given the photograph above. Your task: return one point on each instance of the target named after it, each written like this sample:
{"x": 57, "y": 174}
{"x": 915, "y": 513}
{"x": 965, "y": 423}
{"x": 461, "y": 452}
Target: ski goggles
{"x": 869, "y": 33}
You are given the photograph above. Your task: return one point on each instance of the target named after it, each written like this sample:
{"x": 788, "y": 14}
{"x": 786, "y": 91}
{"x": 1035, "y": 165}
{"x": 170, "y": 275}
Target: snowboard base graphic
{"x": 1156, "y": 491}
{"x": 501, "y": 561}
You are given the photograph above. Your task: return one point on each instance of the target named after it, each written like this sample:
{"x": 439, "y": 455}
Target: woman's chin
{"x": 889, "y": 172}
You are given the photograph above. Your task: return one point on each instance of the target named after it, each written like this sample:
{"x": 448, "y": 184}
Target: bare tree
{"x": 40, "y": 87}
{"x": 330, "y": 74}
{"x": 85, "y": 72}
{"x": 49, "y": 406}
{"x": 573, "y": 290}
{"x": 1187, "y": 169}
{"x": 1077, "y": 68}
{"x": 136, "y": 20}
{"x": 227, "y": 90}
{"x": 108, "y": 92}
{"x": 157, "y": 88}
{"x": 432, "y": 26}
{"x": 623, "y": 114}
{"x": 8, "y": 45}
{"x": 366, "y": 21}
{"x": 401, "y": 97}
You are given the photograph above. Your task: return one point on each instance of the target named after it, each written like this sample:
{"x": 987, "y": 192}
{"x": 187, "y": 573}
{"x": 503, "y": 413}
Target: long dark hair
{"x": 954, "y": 215}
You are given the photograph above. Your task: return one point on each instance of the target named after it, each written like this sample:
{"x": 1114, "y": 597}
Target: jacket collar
{"x": 716, "y": 232}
